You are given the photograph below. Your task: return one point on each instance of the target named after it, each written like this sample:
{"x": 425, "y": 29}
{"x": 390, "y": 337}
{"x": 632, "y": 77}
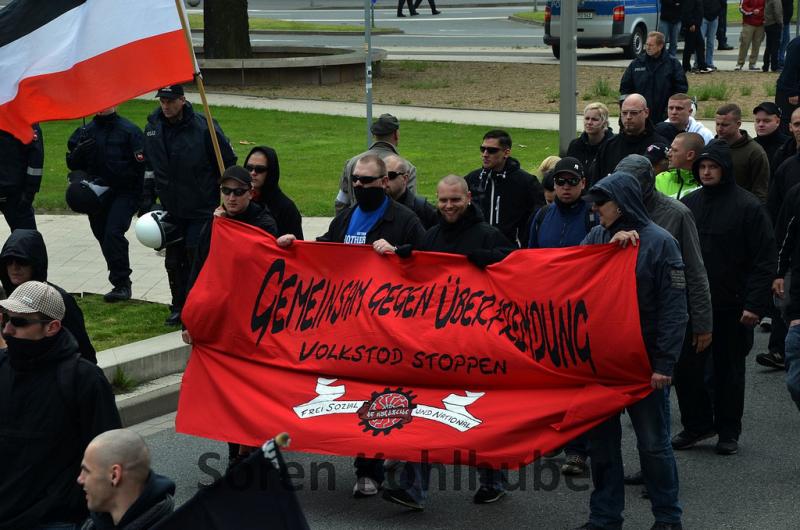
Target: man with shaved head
{"x": 636, "y": 135}
{"x": 121, "y": 489}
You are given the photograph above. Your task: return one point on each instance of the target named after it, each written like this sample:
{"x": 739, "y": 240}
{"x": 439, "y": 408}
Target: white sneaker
{"x": 365, "y": 487}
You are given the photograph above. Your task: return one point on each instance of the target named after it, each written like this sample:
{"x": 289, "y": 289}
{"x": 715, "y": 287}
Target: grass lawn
{"x": 535, "y": 16}
{"x": 313, "y": 149}
{"x": 196, "y": 22}
{"x": 110, "y": 325}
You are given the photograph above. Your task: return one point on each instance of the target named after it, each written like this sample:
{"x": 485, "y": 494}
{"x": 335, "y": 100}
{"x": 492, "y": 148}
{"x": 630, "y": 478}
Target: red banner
{"x": 356, "y": 353}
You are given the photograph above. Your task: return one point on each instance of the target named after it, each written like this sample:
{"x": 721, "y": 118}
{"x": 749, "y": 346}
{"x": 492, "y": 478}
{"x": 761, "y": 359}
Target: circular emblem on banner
{"x": 387, "y": 410}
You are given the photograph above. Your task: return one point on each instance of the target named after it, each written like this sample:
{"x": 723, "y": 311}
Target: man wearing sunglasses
{"x": 52, "y": 404}
{"x": 397, "y": 169}
{"x": 386, "y": 131}
{"x": 505, "y": 193}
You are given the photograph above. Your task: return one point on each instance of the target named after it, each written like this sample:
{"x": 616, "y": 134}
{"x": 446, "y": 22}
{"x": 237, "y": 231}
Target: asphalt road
{"x": 758, "y": 488}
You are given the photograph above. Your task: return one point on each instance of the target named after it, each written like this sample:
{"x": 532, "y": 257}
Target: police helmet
{"x": 85, "y": 197}
{"x": 154, "y": 230}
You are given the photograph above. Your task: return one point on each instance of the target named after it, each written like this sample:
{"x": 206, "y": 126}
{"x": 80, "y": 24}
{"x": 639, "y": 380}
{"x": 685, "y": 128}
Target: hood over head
{"x": 720, "y": 152}
{"x": 641, "y": 168}
{"x": 25, "y": 244}
{"x": 626, "y": 192}
{"x": 271, "y": 183}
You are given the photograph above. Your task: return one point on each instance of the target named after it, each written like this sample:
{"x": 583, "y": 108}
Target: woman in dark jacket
{"x": 262, "y": 163}
{"x": 24, "y": 258}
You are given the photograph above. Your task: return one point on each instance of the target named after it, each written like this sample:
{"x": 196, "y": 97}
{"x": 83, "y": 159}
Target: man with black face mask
{"x": 385, "y": 224}
{"x": 52, "y": 404}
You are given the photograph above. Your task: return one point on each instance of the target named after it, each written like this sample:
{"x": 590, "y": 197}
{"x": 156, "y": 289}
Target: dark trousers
{"x": 370, "y": 467}
{"x": 400, "y": 6}
{"x": 431, "y": 3}
{"x": 17, "y": 215}
{"x": 700, "y": 412}
{"x": 694, "y": 44}
{"x": 777, "y": 335}
{"x": 782, "y": 101}
{"x": 722, "y": 28}
{"x": 180, "y": 257}
{"x": 773, "y": 33}
{"x": 109, "y": 227}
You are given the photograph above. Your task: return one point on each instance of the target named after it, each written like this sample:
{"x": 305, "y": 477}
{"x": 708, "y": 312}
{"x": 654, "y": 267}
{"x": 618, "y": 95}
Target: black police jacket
{"x": 117, "y": 156}
{"x": 656, "y": 79}
{"x": 180, "y": 157}
{"x": 21, "y": 167}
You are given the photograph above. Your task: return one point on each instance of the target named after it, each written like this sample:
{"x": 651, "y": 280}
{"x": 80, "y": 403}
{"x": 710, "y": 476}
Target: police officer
{"x": 110, "y": 150}
{"x": 20, "y": 178}
{"x": 182, "y": 171}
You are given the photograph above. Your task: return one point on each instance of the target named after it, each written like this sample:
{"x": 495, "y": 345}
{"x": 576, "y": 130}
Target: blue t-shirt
{"x": 362, "y": 222}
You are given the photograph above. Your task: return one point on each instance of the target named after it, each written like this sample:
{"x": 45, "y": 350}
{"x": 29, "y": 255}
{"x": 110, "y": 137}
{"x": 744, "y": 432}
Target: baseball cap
{"x": 170, "y": 92}
{"x": 569, "y": 165}
{"x": 35, "y": 297}
{"x": 768, "y": 107}
{"x": 596, "y": 195}
{"x": 237, "y": 173}
{"x": 656, "y": 152}
{"x": 386, "y": 124}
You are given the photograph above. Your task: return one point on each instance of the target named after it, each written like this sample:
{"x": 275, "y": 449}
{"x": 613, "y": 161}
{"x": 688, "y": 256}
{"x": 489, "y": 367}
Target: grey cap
{"x": 35, "y": 297}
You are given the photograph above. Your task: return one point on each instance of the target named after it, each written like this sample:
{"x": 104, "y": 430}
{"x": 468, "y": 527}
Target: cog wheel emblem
{"x": 387, "y": 410}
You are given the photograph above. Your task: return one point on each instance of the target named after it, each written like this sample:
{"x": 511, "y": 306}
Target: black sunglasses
{"x": 563, "y": 181}
{"x": 364, "y": 179}
{"x": 257, "y": 169}
{"x": 21, "y": 322}
{"x": 490, "y": 150}
{"x": 394, "y": 174}
{"x": 236, "y": 191}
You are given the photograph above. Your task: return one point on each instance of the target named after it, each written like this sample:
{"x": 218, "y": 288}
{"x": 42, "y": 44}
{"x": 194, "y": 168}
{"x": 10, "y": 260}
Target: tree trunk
{"x": 227, "y": 31}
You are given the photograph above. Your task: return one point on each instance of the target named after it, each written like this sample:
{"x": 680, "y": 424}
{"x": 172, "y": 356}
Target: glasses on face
{"x": 632, "y": 113}
{"x": 236, "y": 191}
{"x": 394, "y": 174}
{"x": 363, "y": 179}
{"x": 490, "y": 150}
{"x": 563, "y": 181}
{"x": 257, "y": 169}
{"x": 21, "y": 322}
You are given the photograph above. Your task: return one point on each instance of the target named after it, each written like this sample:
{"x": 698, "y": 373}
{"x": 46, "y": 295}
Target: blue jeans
{"x": 709, "y": 29}
{"x": 651, "y": 422}
{"x": 670, "y": 31}
{"x": 785, "y": 38}
{"x": 792, "y": 361}
{"x": 415, "y": 479}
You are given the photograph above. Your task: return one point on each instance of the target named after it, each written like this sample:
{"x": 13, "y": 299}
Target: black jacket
{"x": 620, "y": 146}
{"x": 180, "y": 158}
{"x": 787, "y": 233}
{"x": 21, "y": 167}
{"x": 788, "y": 83}
{"x": 255, "y": 215}
{"x": 29, "y": 245}
{"x": 736, "y": 238}
{"x": 282, "y": 208}
{"x": 466, "y": 235}
{"x": 787, "y": 7}
{"x": 691, "y": 14}
{"x": 784, "y": 179}
{"x": 656, "y": 79}
{"x": 770, "y": 143}
{"x": 44, "y": 432}
{"x": 586, "y": 153}
{"x": 783, "y": 153}
{"x": 398, "y": 226}
{"x": 117, "y": 157}
{"x": 507, "y": 198}
{"x": 155, "y": 504}
{"x": 671, "y": 10}
{"x": 427, "y": 214}
{"x": 712, "y": 8}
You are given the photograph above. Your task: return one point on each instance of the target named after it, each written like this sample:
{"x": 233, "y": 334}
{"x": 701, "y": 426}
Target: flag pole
{"x": 198, "y": 77}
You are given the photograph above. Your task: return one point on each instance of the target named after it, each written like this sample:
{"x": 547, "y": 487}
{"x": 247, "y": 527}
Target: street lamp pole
{"x": 368, "y": 64}
{"x": 568, "y": 45}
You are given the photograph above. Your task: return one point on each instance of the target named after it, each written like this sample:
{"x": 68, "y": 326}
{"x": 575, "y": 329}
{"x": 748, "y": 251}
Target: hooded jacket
{"x": 736, "y": 238}
{"x": 427, "y": 214}
{"x": 468, "y": 234}
{"x": 676, "y": 183}
{"x": 674, "y": 217}
{"x": 44, "y": 432}
{"x": 660, "y": 283}
{"x": 585, "y": 152}
{"x": 28, "y": 245}
{"x": 750, "y": 166}
{"x": 621, "y": 146}
{"x": 155, "y": 504}
{"x": 655, "y": 78}
{"x": 282, "y": 208}
{"x": 180, "y": 158}
{"x": 506, "y": 198}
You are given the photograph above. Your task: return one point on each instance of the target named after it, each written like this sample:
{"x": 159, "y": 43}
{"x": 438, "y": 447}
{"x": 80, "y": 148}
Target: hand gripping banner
{"x": 356, "y": 353}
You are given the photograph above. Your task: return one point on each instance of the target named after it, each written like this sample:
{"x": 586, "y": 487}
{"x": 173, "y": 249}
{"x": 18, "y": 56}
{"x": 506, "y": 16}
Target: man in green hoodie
{"x": 678, "y": 181}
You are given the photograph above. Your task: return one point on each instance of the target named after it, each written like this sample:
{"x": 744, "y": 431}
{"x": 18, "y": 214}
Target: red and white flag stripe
{"x": 85, "y": 56}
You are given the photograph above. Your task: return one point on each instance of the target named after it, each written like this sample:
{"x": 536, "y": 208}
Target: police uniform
{"x": 110, "y": 150}
{"x": 20, "y": 178}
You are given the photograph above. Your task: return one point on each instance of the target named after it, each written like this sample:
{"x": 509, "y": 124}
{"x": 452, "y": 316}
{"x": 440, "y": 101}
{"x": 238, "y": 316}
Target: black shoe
{"x": 436, "y": 12}
{"x": 634, "y": 479}
{"x": 686, "y": 439}
{"x": 401, "y": 15}
{"x": 174, "y": 319}
{"x": 402, "y": 498}
{"x": 666, "y": 526}
{"x": 119, "y": 293}
{"x": 727, "y": 447}
{"x": 414, "y": 14}
{"x": 725, "y": 47}
{"x": 771, "y": 359}
{"x": 488, "y": 495}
